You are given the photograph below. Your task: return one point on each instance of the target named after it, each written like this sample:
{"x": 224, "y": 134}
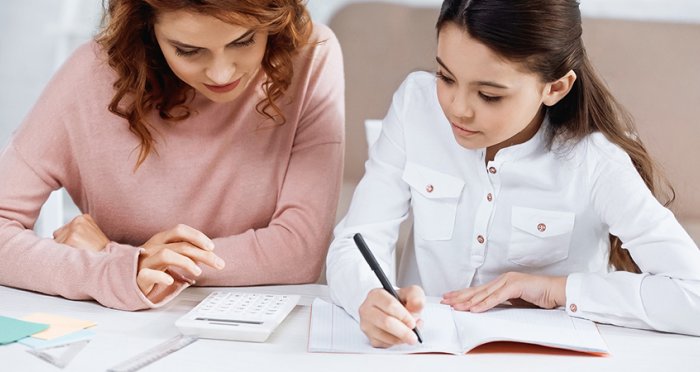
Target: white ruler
{"x": 153, "y": 354}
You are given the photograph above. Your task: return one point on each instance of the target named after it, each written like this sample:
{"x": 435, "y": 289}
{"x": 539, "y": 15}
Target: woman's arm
{"x": 39, "y": 159}
{"x": 42, "y": 265}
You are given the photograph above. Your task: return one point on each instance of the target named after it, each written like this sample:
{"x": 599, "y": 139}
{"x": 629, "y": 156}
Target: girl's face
{"x": 488, "y": 100}
{"x": 216, "y": 58}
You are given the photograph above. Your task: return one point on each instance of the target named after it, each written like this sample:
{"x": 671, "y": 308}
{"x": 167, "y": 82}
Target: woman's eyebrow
{"x": 184, "y": 45}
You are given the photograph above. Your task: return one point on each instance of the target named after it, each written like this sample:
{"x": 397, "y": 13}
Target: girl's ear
{"x": 558, "y": 89}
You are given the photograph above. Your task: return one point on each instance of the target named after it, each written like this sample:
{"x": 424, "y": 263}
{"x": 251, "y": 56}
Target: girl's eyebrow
{"x": 486, "y": 83}
{"x": 183, "y": 45}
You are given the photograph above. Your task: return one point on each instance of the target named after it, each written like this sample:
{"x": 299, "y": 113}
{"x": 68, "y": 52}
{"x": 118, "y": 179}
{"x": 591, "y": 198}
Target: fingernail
{"x": 220, "y": 263}
{"x": 210, "y": 246}
{"x": 198, "y": 270}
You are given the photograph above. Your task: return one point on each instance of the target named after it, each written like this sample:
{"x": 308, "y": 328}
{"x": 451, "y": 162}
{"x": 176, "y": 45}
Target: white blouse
{"x": 529, "y": 210}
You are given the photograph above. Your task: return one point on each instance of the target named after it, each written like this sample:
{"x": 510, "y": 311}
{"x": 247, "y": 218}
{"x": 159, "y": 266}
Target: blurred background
{"x": 37, "y": 35}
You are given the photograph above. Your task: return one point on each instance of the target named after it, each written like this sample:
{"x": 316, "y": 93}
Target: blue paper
{"x": 84, "y": 334}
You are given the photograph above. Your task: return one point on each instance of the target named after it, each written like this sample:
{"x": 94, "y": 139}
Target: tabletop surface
{"x": 121, "y": 335}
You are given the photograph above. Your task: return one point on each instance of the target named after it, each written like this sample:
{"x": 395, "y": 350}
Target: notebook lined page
{"x": 332, "y": 330}
{"x": 552, "y": 328}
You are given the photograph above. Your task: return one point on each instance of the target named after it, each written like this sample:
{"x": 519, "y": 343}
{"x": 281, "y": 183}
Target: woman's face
{"x": 487, "y": 100}
{"x": 216, "y": 58}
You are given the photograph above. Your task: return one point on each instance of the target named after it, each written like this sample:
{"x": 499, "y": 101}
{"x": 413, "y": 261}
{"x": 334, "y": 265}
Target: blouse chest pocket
{"x": 539, "y": 237}
{"x": 434, "y": 198}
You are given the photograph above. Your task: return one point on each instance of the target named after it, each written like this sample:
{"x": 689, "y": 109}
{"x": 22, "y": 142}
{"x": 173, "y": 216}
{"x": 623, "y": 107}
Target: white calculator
{"x": 237, "y": 316}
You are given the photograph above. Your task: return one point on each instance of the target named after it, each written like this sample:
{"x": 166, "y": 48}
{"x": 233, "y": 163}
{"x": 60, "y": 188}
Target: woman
{"x": 525, "y": 179}
{"x": 202, "y": 140}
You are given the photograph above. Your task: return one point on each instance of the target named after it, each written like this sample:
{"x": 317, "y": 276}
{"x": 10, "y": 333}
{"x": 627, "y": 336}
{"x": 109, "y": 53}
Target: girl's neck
{"x": 521, "y": 137}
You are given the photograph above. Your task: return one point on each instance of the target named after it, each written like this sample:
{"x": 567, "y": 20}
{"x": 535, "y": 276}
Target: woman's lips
{"x": 223, "y": 88}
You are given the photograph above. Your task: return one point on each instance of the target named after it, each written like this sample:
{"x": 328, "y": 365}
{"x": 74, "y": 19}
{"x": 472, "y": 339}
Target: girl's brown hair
{"x": 144, "y": 79}
{"x": 545, "y": 37}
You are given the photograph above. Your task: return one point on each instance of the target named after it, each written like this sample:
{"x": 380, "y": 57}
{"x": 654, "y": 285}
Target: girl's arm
{"x": 379, "y": 205}
{"x": 666, "y": 296}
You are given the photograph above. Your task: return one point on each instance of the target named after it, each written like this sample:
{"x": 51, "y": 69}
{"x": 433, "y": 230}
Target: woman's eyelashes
{"x": 238, "y": 44}
{"x": 185, "y": 53}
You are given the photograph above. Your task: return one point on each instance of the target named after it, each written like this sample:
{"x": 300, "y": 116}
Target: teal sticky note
{"x": 12, "y": 330}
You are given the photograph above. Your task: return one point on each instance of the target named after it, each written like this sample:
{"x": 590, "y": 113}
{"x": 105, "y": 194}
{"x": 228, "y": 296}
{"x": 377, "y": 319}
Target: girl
{"x": 525, "y": 178}
{"x": 184, "y": 127}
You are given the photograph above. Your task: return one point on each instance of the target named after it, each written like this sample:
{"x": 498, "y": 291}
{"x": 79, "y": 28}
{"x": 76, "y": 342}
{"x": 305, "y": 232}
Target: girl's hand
{"x": 544, "y": 291}
{"x": 386, "y": 321}
{"x": 181, "y": 247}
{"x": 82, "y": 232}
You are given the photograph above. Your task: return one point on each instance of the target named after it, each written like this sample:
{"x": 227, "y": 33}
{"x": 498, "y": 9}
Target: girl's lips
{"x": 223, "y": 88}
{"x": 462, "y": 130}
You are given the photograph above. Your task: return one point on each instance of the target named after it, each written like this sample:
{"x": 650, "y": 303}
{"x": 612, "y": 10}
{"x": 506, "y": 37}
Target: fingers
{"x": 146, "y": 279}
{"x": 182, "y": 255}
{"x": 386, "y": 321}
{"x": 413, "y": 298}
{"x": 82, "y": 232}
{"x": 183, "y": 233}
{"x": 484, "y": 297}
{"x": 197, "y": 255}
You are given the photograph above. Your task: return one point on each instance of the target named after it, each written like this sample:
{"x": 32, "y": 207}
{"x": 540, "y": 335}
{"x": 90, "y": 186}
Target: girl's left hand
{"x": 544, "y": 291}
{"x": 82, "y": 232}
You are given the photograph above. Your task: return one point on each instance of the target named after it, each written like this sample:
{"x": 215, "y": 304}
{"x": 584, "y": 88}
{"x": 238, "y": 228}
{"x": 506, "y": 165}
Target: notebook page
{"x": 552, "y": 328}
{"x": 332, "y": 330}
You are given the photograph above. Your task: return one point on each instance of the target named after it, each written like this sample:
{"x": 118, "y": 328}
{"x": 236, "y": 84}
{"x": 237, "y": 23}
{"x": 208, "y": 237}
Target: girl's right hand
{"x": 388, "y": 322}
{"x": 181, "y": 247}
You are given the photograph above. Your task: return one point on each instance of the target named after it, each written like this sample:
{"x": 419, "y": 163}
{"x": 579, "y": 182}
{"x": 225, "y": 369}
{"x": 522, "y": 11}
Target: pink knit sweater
{"x": 266, "y": 194}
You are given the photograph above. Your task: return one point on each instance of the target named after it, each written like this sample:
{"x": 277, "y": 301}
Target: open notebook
{"x": 445, "y": 330}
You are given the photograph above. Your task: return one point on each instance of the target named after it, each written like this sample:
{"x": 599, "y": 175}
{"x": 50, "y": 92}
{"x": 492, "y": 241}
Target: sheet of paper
{"x": 58, "y": 325}
{"x": 332, "y": 330}
{"x": 552, "y": 328}
{"x": 12, "y": 329}
{"x": 36, "y": 343}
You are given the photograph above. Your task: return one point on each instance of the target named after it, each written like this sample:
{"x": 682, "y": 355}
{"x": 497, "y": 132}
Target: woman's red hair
{"x": 144, "y": 79}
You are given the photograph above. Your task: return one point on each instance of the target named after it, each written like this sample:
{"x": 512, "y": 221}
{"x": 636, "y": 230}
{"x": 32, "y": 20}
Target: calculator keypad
{"x": 241, "y": 306}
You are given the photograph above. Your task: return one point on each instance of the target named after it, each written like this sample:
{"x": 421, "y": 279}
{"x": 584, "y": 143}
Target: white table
{"x": 121, "y": 335}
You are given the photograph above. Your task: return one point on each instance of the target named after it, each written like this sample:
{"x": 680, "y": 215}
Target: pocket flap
{"x": 542, "y": 223}
{"x": 431, "y": 183}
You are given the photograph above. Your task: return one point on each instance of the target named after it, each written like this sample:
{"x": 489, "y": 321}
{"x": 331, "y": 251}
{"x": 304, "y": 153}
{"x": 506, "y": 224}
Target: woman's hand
{"x": 386, "y": 321}
{"x": 82, "y": 232}
{"x": 181, "y": 247}
{"x": 544, "y": 291}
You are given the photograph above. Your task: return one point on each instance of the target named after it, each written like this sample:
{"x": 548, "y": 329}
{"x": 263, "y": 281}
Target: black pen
{"x": 374, "y": 265}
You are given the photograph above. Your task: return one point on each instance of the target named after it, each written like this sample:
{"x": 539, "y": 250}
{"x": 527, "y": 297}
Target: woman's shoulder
{"x": 85, "y": 74}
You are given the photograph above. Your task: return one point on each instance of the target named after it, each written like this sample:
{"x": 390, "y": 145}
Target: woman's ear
{"x": 558, "y": 89}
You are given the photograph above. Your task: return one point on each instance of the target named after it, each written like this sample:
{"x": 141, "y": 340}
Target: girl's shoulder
{"x": 596, "y": 150}
{"x": 418, "y": 89}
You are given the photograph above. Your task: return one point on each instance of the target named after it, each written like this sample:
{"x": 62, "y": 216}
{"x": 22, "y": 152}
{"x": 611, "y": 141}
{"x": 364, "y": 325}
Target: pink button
{"x": 429, "y": 188}
{"x": 541, "y": 227}
{"x": 480, "y": 239}
{"x": 492, "y": 170}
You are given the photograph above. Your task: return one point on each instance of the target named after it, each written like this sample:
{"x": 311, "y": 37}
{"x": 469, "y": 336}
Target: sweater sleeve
{"x": 666, "y": 295}
{"x": 37, "y": 161}
{"x": 293, "y": 246}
